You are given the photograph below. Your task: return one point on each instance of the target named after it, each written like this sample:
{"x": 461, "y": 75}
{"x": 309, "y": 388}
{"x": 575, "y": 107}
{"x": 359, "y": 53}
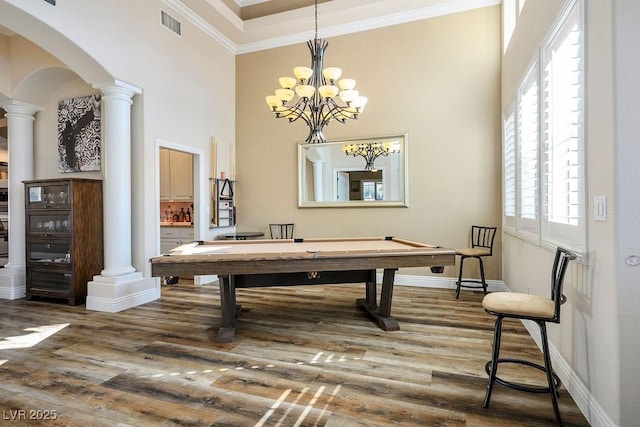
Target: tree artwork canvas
{"x": 79, "y": 123}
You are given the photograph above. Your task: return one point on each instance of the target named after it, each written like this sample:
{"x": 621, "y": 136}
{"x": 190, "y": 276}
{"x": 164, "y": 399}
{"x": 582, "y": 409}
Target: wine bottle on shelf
{"x": 187, "y": 216}
{"x": 181, "y": 215}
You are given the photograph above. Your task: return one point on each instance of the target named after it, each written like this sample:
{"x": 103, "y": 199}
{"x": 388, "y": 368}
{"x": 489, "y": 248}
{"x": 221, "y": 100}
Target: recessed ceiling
{"x": 250, "y": 25}
{"x": 251, "y": 9}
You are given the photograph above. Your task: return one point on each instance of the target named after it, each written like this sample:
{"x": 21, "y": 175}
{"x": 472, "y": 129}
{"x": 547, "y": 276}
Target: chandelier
{"x": 314, "y": 92}
{"x": 370, "y": 151}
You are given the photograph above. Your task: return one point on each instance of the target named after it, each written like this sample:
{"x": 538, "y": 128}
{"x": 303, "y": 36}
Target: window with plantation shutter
{"x": 509, "y": 166}
{"x": 563, "y": 221}
{"x": 543, "y": 142}
{"x": 527, "y": 126}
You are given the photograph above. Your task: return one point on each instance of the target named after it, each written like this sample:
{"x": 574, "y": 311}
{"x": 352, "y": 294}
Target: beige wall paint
{"x": 436, "y": 80}
{"x": 587, "y": 335}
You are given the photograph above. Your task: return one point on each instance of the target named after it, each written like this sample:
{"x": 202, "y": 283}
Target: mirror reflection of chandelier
{"x": 371, "y": 151}
{"x": 312, "y": 95}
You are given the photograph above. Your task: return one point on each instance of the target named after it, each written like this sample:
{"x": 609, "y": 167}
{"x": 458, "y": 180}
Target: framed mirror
{"x": 359, "y": 172}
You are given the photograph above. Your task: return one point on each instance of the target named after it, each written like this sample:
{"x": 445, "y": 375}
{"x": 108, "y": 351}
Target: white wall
{"x": 626, "y": 56}
{"x": 187, "y": 88}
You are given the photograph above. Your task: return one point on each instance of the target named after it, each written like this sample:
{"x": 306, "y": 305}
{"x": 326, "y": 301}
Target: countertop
{"x": 176, "y": 224}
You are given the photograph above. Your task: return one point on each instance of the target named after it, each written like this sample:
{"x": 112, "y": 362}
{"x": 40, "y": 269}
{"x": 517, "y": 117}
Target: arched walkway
{"x": 45, "y": 61}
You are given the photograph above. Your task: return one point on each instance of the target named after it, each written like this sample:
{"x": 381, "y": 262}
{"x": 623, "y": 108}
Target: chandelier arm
{"x": 297, "y": 110}
{"x": 299, "y": 113}
{"x": 335, "y": 111}
{"x": 336, "y": 107}
{"x": 286, "y": 113}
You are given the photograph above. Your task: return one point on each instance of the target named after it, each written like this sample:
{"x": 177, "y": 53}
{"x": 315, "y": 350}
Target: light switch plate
{"x": 600, "y": 208}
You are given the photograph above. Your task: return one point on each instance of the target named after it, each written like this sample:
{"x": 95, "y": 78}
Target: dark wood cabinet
{"x": 63, "y": 237}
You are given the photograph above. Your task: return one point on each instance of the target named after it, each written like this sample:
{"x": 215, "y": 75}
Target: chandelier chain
{"x": 316, "y": 17}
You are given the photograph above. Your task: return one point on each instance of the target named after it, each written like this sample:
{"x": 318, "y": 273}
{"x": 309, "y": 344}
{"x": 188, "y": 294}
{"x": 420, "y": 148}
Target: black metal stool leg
{"x": 484, "y": 282}
{"x": 459, "y": 278}
{"x": 549, "y": 371}
{"x": 497, "y": 336}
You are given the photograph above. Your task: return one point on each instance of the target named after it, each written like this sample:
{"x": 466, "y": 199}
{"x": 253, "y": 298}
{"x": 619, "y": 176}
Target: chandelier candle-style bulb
{"x": 287, "y": 82}
{"x": 316, "y": 94}
{"x": 332, "y": 74}
{"x": 346, "y": 84}
{"x": 302, "y": 74}
{"x": 328, "y": 91}
{"x": 305, "y": 91}
{"x": 348, "y": 96}
{"x": 285, "y": 95}
{"x": 273, "y": 101}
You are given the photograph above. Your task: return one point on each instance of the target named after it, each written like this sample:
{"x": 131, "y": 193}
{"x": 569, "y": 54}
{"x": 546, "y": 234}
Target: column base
{"x": 13, "y": 283}
{"x": 116, "y": 293}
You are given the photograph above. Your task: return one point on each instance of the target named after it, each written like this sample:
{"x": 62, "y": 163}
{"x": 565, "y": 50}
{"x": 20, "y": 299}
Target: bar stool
{"x": 281, "y": 231}
{"x": 531, "y": 307}
{"x": 481, "y": 246}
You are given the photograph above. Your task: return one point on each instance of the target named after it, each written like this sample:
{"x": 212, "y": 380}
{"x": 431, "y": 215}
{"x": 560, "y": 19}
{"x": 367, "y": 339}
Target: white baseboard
{"x": 589, "y": 406}
{"x": 11, "y": 292}
{"x": 438, "y": 282}
{"x": 13, "y": 283}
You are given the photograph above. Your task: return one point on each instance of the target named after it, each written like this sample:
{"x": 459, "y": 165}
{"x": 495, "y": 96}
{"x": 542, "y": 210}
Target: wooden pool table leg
{"x": 371, "y": 293}
{"x": 381, "y": 313}
{"x": 230, "y": 310}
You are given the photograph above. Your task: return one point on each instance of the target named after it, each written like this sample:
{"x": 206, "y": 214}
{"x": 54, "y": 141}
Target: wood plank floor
{"x": 303, "y": 355}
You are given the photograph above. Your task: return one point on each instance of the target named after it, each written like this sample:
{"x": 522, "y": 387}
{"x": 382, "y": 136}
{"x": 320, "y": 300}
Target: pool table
{"x": 261, "y": 263}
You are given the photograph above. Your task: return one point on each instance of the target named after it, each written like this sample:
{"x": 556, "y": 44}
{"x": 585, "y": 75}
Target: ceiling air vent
{"x": 170, "y": 22}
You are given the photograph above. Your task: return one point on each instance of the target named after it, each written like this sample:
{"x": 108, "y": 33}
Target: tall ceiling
{"x": 250, "y": 25}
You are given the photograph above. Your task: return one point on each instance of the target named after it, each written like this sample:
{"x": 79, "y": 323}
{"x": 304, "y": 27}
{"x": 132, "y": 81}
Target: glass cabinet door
{"x": 47, "y": 252}
{"x": 49, "y": 223}
{"x": 50, "y": 282}
{"x": 48, "y": 195}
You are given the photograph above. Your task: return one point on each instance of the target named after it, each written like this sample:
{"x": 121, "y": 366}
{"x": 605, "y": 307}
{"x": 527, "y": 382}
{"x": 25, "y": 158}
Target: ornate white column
{"x": 118, "y": 286}
{"x": 116, "y": 122}
{"x": 20, "y": 119}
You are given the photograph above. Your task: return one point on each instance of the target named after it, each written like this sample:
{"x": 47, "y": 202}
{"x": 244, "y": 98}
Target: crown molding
{"x": 200, "y": 23}
{"x": 431, "y": 11}
{"x": 296, "y": 26}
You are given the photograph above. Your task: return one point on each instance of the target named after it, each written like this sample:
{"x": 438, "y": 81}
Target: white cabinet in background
{"x": 173, "y": 236}
{"x": 165, "y": 175}
{"x": 176, "y": 175}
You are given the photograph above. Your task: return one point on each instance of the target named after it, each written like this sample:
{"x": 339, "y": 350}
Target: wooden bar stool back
{"x": 538, "y": 309}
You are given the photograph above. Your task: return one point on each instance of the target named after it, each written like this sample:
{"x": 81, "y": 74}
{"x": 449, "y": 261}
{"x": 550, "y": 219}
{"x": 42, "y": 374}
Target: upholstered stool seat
{"x": 538, "y": 309}
{"x": 521, "y": 305}
{"x": 474, "y": 252}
